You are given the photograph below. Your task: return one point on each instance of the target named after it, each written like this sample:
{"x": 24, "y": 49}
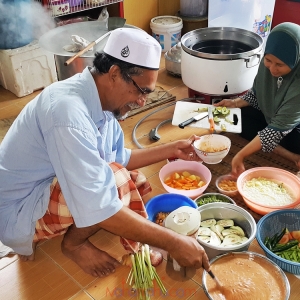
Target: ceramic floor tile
{"x": 83, "y": 295}
{"x": 5, "y": 261}
{"x": 41, "y": 279}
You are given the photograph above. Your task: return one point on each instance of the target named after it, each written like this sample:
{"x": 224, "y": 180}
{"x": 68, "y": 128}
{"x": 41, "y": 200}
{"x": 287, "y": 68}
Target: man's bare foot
{"x": 91, "y": 259}
{"x": 29, "y": 257}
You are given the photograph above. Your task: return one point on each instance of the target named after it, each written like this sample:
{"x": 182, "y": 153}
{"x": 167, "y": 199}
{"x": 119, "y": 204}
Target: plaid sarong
{"x": 131, "y": 185}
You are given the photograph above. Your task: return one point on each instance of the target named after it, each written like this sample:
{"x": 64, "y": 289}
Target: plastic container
{"x": 287, "y": 178}
{"x": 16, "y": 26}
{"x": 166, "y": 30}
{"x": 27, "y": 69}
{"x": 272, "y": 223}
{"x": 194, "y": 168}
{"x": 232, "y": 189}
{"x": 194, "y": 8}
{"x": 167, "y": 203}
{"x": 75, "y": 2}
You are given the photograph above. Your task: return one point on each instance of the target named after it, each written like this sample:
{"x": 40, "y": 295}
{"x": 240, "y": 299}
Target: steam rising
{"x": 21, "y": 22}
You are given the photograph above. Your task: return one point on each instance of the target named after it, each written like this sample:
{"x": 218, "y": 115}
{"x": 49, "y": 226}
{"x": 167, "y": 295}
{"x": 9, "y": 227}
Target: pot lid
{"x": 184, "y": 220}
{"x": 54, "y": 40}
{"x": 209, "y": 43}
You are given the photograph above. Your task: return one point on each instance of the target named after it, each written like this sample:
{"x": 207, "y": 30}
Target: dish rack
{"x": 58, "y": 8}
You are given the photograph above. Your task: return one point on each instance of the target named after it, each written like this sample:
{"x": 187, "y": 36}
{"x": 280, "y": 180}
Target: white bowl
{"x": 212, "y": 148}
{"x": 194, "y": 168}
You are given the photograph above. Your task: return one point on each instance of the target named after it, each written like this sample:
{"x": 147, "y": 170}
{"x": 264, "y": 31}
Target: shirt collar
{"x": 94, "y": 103}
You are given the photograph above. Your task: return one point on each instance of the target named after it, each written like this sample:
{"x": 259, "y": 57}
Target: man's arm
{"x": 126, "y": 223}
{"x": 144, "y": 157}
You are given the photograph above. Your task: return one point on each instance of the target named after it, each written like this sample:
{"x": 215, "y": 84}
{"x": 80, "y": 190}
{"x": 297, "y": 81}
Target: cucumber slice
{"x": 225, "y": 223}
{"x": 223, "y": 127}
{"x": 217, "y": 119}
{"x": 225, "y": 111}
{"x": 204, "y": 238}
{"x": 228, "y": 231}
{"x": 231, "y": 239}
{"x": 204, "y": 231}
{"x": 208, "y": 223}
{"x": 239, "y": 229}
{"x": 228, "y": 120}
{"x": 243, "y": 239}
{"x": 214, "y": 239}
{"x": 217, "y": 229}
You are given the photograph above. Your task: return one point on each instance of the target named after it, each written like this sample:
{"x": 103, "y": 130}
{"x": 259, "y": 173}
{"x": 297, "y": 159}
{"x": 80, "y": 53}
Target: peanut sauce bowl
{"x": 245, "y": 276}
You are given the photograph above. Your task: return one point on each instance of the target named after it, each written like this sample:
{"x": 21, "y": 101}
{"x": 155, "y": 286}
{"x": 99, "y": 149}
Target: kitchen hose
{"x": 153, "y": 133}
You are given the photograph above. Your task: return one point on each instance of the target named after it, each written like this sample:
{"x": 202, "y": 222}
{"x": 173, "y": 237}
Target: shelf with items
{"x": 66, "y": 7}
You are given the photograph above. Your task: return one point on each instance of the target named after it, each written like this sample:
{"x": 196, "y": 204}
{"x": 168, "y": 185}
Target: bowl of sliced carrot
{"x": 188, "y": 178}
{"x": 226, "y": 184}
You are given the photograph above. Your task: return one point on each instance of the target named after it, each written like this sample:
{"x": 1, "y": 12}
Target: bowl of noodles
{"x": 212, "y": 148}
{"x": 267, "y": 189}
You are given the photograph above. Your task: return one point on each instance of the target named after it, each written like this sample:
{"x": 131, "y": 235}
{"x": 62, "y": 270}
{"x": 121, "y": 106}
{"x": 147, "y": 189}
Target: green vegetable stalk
{"x": 142, "y": 274}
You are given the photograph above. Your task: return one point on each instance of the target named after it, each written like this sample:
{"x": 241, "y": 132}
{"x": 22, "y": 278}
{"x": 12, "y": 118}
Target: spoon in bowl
{"x": 212, "y": 275}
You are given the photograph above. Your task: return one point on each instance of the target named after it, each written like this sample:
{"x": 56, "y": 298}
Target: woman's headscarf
{"x": 281, "y": 106}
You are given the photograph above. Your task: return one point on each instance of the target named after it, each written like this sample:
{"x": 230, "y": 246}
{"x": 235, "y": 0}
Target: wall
{"x": 286, "y": 11}
{"x": 140, "y": 12}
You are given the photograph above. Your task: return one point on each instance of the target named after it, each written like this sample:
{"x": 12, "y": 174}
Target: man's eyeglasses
{"x": 145, "y": 91}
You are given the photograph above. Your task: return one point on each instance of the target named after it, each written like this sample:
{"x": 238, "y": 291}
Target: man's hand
{"x": 189, "y": 253}
{"x": 184, "y": 149}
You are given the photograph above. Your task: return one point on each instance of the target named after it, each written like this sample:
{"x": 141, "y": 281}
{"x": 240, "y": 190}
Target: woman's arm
{"x": 237, "y": 163}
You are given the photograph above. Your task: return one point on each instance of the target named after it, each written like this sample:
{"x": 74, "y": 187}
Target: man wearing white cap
{"x": 62, "y": 163}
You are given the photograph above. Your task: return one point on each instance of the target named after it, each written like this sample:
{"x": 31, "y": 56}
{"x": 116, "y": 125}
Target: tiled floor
{"x": 53, "y": 276}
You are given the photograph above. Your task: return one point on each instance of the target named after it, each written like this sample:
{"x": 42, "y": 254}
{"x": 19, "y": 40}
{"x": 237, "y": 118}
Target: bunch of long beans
{"x": 142, "y": 274}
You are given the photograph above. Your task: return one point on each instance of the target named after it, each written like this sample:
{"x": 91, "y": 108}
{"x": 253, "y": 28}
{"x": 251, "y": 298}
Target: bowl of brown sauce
{"x": 245, "y": 276}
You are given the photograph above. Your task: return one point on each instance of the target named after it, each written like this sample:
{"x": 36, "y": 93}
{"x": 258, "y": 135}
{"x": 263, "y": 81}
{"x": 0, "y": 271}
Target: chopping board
{"x": 186, "y": 110}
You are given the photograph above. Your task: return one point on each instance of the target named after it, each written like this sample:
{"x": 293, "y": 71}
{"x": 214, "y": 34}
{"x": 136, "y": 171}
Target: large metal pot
{"x": 55, "y": 39}
{"x": 220, "y": 60}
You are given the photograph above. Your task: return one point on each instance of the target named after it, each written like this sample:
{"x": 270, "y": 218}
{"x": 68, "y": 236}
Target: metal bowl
{"x": 274, "y": 270}
{"x": 240, "y": 217}
{"x": 173, "y": 60}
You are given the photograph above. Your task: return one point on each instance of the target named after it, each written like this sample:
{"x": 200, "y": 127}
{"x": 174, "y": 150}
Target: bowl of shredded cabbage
{"x": 266, "y": 189}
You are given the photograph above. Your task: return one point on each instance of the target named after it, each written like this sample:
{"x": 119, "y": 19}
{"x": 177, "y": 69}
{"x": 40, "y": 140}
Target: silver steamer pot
{"x": 55, "y": 39}
{"x": 220, "y": 60}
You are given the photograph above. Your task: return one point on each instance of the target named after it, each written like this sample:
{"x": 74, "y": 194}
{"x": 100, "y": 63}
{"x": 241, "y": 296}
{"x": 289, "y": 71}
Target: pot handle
{"x": 247, "y": 61}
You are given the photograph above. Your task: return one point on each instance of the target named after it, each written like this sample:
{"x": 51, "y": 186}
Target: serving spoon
{"x": 212, "y": 275}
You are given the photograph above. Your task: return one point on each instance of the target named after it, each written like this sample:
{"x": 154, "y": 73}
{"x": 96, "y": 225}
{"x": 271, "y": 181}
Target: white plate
{"x": 186, "y": 110}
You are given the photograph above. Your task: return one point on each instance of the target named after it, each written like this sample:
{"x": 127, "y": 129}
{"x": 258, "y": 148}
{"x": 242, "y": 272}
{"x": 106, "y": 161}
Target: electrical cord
{"x": 154, "y": 136}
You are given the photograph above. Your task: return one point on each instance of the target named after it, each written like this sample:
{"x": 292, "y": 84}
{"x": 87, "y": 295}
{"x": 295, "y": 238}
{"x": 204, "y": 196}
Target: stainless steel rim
{"x": 222, "y": 33}
{"x": 287, "y": 284}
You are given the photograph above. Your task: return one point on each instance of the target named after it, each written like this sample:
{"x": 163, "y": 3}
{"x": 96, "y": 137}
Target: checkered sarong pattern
{"x": 131, "y": 185}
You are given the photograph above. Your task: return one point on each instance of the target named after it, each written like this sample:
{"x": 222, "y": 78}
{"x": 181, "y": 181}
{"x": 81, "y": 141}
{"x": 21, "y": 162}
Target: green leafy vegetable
{"x": 211, "y": 199}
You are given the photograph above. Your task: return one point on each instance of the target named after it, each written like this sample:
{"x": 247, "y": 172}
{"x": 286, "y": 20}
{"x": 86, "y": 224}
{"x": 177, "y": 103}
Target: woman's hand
{"x": 184, "y": 149}
{"x": 237, "y": 165}
{"x": 227, "y": 103}
{"x": 233, "y": 103}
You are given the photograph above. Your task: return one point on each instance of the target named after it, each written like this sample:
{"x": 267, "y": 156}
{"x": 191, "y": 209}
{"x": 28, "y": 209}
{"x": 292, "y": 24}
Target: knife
{"x": 193, "y": 119}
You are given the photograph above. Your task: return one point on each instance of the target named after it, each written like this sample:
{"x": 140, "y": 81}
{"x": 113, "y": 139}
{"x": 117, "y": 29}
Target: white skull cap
{"x": 134, "y": 46}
